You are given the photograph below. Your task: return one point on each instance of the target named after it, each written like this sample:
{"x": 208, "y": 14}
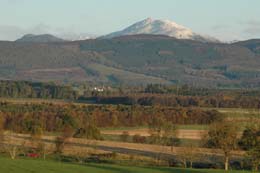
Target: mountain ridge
{"x": 160, "y": 27}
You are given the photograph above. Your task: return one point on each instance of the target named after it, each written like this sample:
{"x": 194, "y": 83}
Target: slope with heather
{"x": 132, "y": 60}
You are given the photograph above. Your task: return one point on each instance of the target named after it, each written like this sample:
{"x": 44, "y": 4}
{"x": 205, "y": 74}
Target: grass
{"x": 189, "y": 142}
{"x": 40, "y": 166}
{"x": 115, "y": 138}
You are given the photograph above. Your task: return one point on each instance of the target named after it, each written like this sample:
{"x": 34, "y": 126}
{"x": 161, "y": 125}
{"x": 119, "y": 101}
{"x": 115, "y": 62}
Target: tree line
{"x": 54, "y": 117}
{"x": 25, "y": 89}
{"x": 151, "y": 95}
{"x": 220, "y": 101}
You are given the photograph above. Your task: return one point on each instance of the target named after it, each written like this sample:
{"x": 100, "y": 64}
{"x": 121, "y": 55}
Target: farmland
{"x": 138, "y": 131}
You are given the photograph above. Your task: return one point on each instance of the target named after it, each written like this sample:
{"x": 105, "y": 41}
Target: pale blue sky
{"x": 224, "y": 19}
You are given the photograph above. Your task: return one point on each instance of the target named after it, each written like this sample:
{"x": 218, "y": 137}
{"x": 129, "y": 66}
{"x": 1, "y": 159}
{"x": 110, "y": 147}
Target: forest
{"x": 150, "y": 95}
{"x": 54, "y": 118}
{"x": 25, "y": 89}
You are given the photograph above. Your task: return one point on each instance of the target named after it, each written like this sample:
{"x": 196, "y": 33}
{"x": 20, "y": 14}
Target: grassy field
{"x": 40, "y": 166}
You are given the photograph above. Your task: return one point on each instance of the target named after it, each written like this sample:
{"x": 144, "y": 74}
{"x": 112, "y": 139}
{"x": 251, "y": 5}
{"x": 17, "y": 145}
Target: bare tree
{"x": 37, "y": 141}
{"x": 223, "y": 135}
{"x": 187, "y": 155}
{"x": 10, "y": 145}
{"x": 162, "y": 132}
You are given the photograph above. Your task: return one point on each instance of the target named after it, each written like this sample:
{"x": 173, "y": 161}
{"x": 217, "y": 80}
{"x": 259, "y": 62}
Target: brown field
{"x": 182, "y": 134}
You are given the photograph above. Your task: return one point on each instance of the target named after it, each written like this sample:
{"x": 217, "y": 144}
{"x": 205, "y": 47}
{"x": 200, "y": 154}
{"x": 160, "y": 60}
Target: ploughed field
{"x": 40, "y": 166}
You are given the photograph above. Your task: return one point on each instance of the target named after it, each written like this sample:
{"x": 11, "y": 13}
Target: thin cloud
{"x": 252, "y": 28}
{"x": 12, "y": 33}
{"x": 8, "y": 32}
{"x": 220, "y": 27}
{"x": 225, "y": 33}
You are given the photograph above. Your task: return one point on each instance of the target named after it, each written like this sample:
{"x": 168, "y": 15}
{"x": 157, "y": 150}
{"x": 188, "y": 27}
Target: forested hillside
{"x": 132, "y": 60}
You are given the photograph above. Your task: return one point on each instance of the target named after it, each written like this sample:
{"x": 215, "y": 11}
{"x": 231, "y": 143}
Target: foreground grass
{"x": 39, "y": 166}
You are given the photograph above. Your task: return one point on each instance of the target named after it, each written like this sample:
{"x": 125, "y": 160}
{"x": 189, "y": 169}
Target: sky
{"x": 226, "y": 20}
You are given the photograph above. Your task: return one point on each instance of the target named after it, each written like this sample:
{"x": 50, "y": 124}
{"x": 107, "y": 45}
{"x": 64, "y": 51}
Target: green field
{"x": 39, "y": 166}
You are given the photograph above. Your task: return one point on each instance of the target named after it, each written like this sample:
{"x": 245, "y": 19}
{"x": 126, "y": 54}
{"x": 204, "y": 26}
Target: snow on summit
{"x": 160, "y": 27}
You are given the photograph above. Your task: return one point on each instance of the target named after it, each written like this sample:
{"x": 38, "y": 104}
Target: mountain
{"x": 44, "y": 38}
{"x": 161, "y": 27}
{"x": 134, "y": 60}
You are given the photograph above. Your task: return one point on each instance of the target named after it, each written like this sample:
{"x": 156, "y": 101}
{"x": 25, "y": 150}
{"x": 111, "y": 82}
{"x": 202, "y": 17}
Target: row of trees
{"x": 47, "y": 117}
{"x": 152, "y": 95}
{"x": 54, "y": 117}
{"x": 22, "y": 89}
{"x": 188, "y": 90}
{"x": 220, "y": 101}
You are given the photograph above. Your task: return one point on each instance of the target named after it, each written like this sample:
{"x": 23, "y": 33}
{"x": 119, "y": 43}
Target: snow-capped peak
{"x": 160, "y": 27}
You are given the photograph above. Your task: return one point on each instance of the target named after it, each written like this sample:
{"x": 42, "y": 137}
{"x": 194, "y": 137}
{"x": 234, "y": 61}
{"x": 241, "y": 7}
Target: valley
{"x": 101, "y": 87}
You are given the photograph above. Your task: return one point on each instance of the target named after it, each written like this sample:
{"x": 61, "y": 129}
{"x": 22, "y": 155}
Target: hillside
{"x": 45, "y": 38}
{"x": 137, "y": 59}
{"x": 181, "y": 61}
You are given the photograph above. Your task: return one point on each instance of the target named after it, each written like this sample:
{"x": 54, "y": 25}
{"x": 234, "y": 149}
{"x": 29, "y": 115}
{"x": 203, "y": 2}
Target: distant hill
{"x": 134, "y": 60}
{"x": 161, "y": 27}
{"x": 45, "y": 38}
